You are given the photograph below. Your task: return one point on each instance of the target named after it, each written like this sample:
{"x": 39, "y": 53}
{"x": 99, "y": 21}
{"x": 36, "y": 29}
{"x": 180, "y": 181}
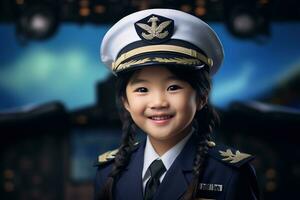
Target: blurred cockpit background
{"x": 57, "y": 107}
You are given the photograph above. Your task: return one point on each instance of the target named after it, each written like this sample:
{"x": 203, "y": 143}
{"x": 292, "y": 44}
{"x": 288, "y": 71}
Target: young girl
{"x": 163, "y": 60}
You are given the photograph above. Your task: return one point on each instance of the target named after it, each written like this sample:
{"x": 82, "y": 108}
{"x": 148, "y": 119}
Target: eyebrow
{"x": 138, "y": 80}
{"x": 173, "y": 78}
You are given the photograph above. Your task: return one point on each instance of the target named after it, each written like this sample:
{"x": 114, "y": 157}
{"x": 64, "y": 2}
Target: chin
{"x": 160, "y": 135}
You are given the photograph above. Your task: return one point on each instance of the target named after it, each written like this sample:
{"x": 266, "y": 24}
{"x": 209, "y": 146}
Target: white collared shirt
{"x": 167, "y": 158}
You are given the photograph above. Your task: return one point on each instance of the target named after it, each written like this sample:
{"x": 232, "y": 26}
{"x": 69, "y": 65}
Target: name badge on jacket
{"x": 209, "y": 191}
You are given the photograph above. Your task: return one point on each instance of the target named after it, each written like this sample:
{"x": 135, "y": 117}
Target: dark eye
{"x": 174, "y": 87}
{"x": 141, "y": 90}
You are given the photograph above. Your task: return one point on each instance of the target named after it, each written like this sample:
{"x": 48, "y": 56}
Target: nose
{"x": 159, "y": 101}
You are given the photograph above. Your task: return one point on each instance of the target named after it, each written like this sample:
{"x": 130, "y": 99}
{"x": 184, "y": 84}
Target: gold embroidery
{"x": 165, "y": 48}
{"x": 132, "y": 62}
{"x": 107, "y": 156}
{"x": 233, "y": 158}
{"x": 154, "y": 30}
{"x": 185, "y": 61}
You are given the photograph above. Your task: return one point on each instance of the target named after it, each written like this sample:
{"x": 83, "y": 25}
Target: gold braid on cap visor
{"x": 166, "y": 48}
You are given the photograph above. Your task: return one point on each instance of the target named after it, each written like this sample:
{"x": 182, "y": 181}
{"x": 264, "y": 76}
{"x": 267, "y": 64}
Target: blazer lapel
{"x": 178, "y": 177}
{"x": 130, "y": 184}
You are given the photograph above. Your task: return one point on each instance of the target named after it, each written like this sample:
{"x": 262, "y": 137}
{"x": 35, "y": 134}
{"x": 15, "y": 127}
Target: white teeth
{"x": 161, "y": 117}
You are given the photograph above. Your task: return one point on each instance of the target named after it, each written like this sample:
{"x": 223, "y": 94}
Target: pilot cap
{"x": 161, "y": 37}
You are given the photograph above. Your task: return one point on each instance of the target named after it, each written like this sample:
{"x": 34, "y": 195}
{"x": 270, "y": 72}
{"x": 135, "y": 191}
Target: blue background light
{"x": 67, "y": 66}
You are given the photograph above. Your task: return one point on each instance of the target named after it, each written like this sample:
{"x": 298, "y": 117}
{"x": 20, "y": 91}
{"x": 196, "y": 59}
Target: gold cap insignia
{"x": 233, "y": 158}
{"x": 149, "y": 30}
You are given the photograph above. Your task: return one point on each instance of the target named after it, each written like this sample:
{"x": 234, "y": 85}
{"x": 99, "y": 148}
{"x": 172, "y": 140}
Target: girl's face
{"x": 160, "y": 104}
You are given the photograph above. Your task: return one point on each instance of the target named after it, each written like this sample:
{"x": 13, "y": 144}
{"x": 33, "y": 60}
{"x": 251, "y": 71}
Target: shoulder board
{"x": 230, "y": 156}
{"x": 109, "y": 156}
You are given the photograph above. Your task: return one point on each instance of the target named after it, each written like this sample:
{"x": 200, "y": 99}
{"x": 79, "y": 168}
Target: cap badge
{"x": 149, "y": 30}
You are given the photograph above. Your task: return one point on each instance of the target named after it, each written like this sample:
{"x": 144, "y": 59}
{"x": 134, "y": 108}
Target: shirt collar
{"x": 167, "y": 158}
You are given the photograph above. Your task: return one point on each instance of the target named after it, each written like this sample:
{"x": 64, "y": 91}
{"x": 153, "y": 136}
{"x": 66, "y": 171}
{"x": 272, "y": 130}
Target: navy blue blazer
{"x": 227, "y": 175}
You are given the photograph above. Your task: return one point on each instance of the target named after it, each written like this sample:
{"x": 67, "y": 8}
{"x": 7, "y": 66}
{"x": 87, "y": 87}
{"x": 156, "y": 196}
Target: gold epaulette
{"x": 110, "y": 155}
{"x": 230, "y": 156}
{"x": 107, "y": 156}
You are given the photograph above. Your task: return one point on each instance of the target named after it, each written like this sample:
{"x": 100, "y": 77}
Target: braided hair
{"x": 204, "y": 122}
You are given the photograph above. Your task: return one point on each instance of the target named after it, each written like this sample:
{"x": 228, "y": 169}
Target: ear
{"x": 201, "y": 102}
{"x": 126, "y": 104}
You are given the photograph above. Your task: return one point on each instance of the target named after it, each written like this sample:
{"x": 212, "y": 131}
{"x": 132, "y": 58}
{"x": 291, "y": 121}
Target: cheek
{"x": 131, "y": 102}
{"x": 135, "y": 105}
{"x": 186, "y": 103}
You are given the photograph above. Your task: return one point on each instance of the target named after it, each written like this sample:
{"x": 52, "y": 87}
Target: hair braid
{"x": 205, "y": 121}
{"x": 122, "y": 157}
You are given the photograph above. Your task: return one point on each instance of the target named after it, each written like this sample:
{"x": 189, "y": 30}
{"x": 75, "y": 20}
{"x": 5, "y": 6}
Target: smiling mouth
{"x": 160, "y": 118}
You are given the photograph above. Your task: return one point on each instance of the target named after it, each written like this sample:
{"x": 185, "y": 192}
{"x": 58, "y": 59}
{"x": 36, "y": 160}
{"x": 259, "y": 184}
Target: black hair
{"x": 204, "y": 122}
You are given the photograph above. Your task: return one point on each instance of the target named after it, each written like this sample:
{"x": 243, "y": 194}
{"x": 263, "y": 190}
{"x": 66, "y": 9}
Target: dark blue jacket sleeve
{"x": 243, "y": 185}
{"x": 97, "y": 184}
{"x": 100, "y": 180}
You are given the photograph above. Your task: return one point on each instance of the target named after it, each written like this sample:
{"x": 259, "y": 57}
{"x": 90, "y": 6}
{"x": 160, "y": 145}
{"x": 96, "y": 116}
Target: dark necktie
{"x": 157, "y": 168}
